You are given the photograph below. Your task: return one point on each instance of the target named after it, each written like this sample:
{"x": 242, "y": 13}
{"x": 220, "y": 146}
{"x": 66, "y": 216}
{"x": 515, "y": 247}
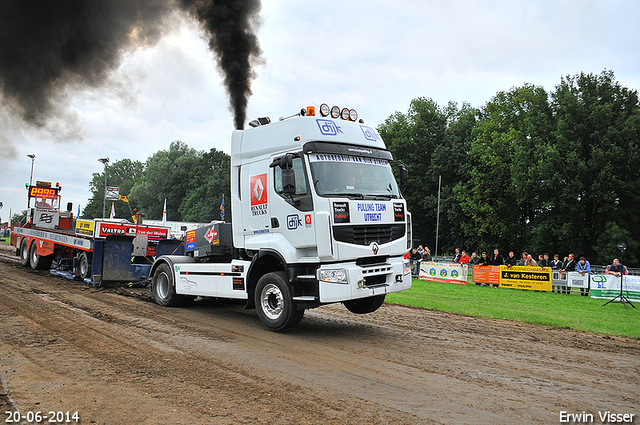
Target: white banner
{"x": 444, "y": 272}
{"x": 578, "y": 280}
{"x": 608, "y": 286}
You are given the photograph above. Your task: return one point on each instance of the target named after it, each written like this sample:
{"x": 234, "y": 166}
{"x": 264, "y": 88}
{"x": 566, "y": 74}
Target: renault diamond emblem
{"x": 374, "y": 248}
{"x": 258, "y": 189}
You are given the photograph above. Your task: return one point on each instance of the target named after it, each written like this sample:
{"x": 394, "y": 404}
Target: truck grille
{"x": 365, "y": 234}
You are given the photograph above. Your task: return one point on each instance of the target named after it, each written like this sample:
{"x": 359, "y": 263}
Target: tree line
{"x": 531, "y": 170}
{"x": 192, "y": 182}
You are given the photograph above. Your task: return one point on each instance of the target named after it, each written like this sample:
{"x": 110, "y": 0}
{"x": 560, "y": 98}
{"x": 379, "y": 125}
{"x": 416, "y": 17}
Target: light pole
{"x": 33, "y": 158}
{"x": 105, "y": 161}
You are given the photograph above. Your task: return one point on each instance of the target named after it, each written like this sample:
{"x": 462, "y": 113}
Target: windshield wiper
{"x": 384, "y": 195}
{"x": 347, "y": 194}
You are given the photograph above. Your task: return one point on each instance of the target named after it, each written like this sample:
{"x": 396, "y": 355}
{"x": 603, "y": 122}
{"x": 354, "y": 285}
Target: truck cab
{"x": 318, "y": 216}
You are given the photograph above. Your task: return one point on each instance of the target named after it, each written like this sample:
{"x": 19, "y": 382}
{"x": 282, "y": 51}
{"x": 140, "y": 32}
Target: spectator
{"x": 427, "y": 255}
{"x": 464, "y": 258}
{"x": 583, "y": 267}
{"x": 616, "y": 268}
{"x": 555, "y": 264}
{"x": 545, "y": 261}
{"x": 456, "y": 257}
{"x": 484, "y": 260}
{"x": 523, "y": 260}
{"x": 530, "y": 261}
{"x": 474, "y": 260}
{"x": 568, "y": 266}
{"x": 540, "y": 259}
{"x": 416, "y": 258}
{"x": 497, "y": 259}
{"x": 511, "y": 260}
{"x": 421, "y": 250}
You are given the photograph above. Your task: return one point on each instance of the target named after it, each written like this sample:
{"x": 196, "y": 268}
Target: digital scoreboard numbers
{"x": 43, "y": 192}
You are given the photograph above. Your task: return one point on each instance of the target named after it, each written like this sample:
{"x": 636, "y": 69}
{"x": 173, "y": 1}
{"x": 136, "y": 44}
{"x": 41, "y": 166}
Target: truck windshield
{"x": 352, "y": 176}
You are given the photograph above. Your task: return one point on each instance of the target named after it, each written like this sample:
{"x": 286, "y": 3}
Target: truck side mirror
{"x": 404, "y": 175}
{"x": 288, "y": 181}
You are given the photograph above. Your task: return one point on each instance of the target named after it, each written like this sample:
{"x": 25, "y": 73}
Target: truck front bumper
{"x": 348, "y": 281}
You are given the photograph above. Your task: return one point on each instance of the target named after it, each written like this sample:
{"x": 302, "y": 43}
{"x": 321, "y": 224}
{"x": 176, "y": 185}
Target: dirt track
{"x": 118, "y": 359}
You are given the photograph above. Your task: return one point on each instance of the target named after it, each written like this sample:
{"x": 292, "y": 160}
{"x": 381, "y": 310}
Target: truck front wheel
{"x": 163, "y": 288}
{"x": 37, "y": 261}
{"x": 365, "y": 305}
{"x": 274, "y": 303}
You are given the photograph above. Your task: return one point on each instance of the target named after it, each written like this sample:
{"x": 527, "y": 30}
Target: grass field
{"x": 545, "y": 308}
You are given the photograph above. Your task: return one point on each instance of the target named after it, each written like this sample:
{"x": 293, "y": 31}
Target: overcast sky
{"x": 375, "y": 58}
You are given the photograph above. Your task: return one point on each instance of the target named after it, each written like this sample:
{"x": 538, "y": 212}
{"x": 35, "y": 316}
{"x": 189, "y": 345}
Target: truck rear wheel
{"x": 163, "y": 288}
{"x": 84, "y": 265}
{"x": 365, "y": 305}
{"x": 24, "y": 253}
{"x": 274, "y": 303}
{"x": 37, "y": 261}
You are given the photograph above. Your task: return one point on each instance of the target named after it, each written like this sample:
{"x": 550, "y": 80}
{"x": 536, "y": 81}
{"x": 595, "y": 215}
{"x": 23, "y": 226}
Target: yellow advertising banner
{"x": 526, "y": 277}
{"x": 85, "y": 227}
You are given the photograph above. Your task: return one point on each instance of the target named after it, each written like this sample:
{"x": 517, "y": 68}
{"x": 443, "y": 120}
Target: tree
{"x": 191, "y": 181}
{"x": 596, "y": 166}
{"x": 432, "y": 142}
{"x": 502, "y": 196}
{"x": 123, "y": 174}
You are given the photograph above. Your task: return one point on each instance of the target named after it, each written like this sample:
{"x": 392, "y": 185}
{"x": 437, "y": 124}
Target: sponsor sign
{"x": 212, "y": 236}
{"x": 398, "y": 212}
{"x": 578, "y": 280}
{"x": 523, "y": 277}
{"x": 329, "y": 128}
{"x": 113, "y": 193}
{"x": 607, "y": 286}
{"x": 443, "y": 272}
{"x": 369, "y": 133}
{"x": 191, "y": 240}
{"x": 341, "y": 212}
{"x": 486, "y": 274}
{"x": 259, "y": 204}
{"x": 153, "y": 233}
{"x": 85, "y": 227}
{"x": 293, "y": 221}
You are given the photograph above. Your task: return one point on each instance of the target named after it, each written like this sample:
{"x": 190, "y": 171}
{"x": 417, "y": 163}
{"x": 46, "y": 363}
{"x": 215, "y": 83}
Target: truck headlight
{"x": 334, "y": 276}
{"x": 407, "y": 267}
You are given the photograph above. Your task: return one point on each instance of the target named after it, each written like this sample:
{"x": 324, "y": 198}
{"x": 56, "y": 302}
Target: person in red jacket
{"x": 464, "y": 258}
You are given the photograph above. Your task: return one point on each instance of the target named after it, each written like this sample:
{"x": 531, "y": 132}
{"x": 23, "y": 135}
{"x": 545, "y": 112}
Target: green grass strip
{"x": 544, "y": 308}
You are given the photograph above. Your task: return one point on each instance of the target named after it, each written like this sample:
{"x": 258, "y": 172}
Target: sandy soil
{"x": 117, "y": 358}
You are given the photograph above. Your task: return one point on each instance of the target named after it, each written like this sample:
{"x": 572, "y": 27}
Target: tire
{"x": 24, "y": 253}
{"x": 84, "y": 265}
{"x": 163, "y": 289}
{"x": 274, "y": 303}
{"x": 365, "y": 305}
{"x": 39, "y": 262}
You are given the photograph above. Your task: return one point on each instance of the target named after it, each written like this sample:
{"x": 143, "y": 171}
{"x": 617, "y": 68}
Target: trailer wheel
{"x": 274, "y": 304}
{"x": 163, "y": 288}
{"x": 39, "y": 262}
{"x": 84, "y": 265}
{"x": 24, "y": 253}
{"x": 365, "y": 305}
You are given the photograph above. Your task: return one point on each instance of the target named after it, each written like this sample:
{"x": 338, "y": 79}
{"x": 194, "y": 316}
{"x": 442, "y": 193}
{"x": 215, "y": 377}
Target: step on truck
{"x": 318, "y": 218}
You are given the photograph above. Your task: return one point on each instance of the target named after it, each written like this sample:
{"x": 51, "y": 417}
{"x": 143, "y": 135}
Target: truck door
{"x": 292, "y": 213}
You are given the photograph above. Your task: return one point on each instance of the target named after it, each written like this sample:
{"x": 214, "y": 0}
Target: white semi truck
{"x": 318, "y": 218}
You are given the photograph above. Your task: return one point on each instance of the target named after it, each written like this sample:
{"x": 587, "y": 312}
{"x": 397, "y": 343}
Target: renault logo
{"x": 375, "y": 248}
{"x": 258, "y": 189}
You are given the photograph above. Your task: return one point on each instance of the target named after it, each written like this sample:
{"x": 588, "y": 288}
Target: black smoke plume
{"x": 230, "y": 22}
{"x": 48, "y": 47}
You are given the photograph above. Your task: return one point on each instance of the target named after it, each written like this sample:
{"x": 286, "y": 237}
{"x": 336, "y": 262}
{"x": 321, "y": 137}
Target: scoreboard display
{"x": 43, "y": 192}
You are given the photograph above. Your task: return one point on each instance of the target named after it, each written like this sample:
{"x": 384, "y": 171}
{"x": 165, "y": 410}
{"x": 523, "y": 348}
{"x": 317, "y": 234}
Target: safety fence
{"x": 598, "y": 285}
